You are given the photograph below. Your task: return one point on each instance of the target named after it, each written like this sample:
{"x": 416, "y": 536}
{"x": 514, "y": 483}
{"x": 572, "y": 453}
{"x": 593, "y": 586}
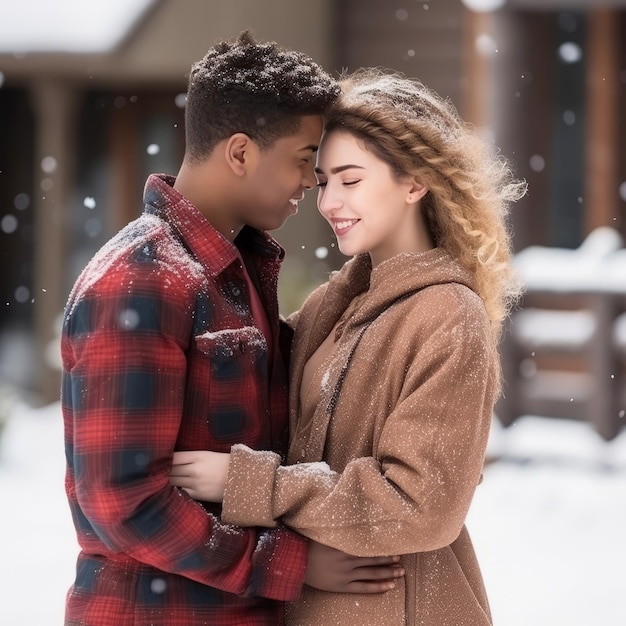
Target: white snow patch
{"x": 230, "y": 339}
{"x": 598, "y": 264}
{"x": 547, "y": 523}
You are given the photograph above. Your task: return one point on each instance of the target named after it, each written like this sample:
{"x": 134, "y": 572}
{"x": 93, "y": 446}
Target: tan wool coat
{"x": 402, "y": 422}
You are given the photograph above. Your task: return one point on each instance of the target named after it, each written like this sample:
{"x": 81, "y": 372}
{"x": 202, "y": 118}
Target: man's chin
{"x": 278, "y": 224}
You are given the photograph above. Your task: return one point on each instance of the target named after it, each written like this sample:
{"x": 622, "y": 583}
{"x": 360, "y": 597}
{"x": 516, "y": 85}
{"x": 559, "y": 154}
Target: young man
{"x": 171, "y": 342}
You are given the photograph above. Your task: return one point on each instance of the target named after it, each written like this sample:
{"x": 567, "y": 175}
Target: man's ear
{"x": 239, "y": 153}
{"x": 416, "y": 192}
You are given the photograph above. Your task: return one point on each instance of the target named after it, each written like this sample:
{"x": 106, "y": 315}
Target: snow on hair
{"x": 256, "y": 88}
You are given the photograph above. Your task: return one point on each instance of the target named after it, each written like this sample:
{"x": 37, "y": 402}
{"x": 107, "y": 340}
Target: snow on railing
{"x": 564, "y": 349}
{"x": 598, "y": 264}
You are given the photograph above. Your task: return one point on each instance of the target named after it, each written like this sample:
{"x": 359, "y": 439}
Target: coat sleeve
{"x": 123, "y": 395}
{"x": 414, "y": 494}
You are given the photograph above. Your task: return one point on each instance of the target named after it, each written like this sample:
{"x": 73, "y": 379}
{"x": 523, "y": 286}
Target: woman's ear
{"x": 416, "y": 192}
{"x": 239, "y": 153}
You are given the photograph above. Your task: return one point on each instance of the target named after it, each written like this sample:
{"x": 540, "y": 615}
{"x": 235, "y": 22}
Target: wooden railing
{"x": 564, "y": 350}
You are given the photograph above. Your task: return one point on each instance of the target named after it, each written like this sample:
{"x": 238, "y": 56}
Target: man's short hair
{"x": 260, "y": 89}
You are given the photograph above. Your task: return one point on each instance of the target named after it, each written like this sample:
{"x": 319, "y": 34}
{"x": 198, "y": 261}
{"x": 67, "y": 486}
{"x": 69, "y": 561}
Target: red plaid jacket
{"x": 161, "y": 353}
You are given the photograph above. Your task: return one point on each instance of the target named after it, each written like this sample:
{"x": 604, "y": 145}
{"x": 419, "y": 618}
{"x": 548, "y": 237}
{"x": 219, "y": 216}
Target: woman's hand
{"x": 202, "y": 474}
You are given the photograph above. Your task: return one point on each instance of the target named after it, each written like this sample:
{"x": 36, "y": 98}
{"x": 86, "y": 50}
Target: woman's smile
{"x": 342, "y": 226}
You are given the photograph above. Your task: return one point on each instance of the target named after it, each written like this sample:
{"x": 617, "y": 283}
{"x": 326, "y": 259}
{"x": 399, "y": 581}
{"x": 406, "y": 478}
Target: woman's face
{"x": 367, "y": 206}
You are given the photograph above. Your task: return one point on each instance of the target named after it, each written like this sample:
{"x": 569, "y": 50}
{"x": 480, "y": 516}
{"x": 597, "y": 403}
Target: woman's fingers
{"x": 186, "y": 456}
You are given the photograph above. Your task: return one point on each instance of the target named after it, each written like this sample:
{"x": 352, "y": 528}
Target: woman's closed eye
{"x": 345, "y": 183}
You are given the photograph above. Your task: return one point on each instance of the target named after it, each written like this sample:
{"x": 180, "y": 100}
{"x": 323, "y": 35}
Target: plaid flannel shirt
{"x": 161, "y": 353}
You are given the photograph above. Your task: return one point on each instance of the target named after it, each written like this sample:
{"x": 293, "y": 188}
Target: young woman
{"x": 394, "y": 366}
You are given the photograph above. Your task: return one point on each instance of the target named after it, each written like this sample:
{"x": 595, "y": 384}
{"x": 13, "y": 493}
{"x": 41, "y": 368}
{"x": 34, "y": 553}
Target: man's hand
{"x": 331, "y": 570}
{"x": 201, "y": 474}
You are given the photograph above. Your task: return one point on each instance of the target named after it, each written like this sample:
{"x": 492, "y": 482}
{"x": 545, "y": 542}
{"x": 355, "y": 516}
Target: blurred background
{"x": 92, "y": 100}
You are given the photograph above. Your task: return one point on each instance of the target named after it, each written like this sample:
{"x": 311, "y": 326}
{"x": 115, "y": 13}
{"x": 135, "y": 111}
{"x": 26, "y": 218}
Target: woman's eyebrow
{"x": 339, "y": 168}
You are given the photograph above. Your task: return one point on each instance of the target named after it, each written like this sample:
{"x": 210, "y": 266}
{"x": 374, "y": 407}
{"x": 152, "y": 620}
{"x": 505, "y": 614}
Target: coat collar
{"x": 389, "y": 281}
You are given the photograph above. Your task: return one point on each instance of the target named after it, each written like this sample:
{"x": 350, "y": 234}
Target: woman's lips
{"x": 342, "y": 226}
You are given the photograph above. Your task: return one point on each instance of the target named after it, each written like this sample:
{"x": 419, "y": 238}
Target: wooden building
{"x": 80, "y": 131}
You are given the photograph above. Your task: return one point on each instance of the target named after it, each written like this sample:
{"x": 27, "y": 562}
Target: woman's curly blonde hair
{"x": 419, "y": 134}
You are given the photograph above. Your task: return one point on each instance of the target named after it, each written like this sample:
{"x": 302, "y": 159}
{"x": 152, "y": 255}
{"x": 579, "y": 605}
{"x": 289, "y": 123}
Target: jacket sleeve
{"x": 414, "y": 494}
{"x": 123, "y": 397}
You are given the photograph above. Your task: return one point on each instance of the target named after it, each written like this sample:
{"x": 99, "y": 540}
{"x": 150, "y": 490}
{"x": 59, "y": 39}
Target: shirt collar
{"x": 207, "y": 244}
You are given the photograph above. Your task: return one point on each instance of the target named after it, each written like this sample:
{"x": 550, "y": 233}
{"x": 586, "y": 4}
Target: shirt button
{"x": 236, "y": 291}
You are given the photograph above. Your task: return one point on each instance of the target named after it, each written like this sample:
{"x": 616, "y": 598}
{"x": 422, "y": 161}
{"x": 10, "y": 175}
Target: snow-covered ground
{"x": 37, "y": 543}
{"x": 548, "y": 523}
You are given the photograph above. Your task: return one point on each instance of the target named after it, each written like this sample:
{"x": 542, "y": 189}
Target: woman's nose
{"x": 328, "y": 200}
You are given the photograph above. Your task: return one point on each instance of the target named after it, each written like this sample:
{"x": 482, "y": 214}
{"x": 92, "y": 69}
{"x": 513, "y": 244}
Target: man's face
{"x": 281, "y": 174}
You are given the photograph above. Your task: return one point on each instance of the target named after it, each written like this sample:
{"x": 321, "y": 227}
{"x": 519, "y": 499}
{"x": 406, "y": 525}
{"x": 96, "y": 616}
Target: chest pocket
{"x": 233, "y": 350}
